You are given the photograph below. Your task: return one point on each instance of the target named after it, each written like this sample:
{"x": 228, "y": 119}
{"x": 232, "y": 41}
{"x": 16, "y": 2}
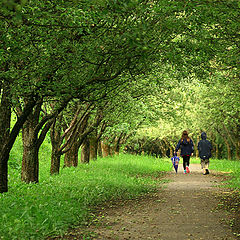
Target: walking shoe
{"x": 187, "y": 168}
{"x": 184, "y": 172}
{"x": 207, "y": 172}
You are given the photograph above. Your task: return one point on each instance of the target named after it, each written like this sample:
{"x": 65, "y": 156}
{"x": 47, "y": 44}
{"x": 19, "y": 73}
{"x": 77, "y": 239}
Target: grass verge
{"x": 230, "y": 200}
{"x": 230, "y": 168}
{"x": 32, "y": 211}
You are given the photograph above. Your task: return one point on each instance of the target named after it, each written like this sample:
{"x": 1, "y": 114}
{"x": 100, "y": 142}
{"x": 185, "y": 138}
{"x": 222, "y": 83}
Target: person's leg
{"x": 187, "y": 164}
{"x": 203, "y": 166}
{"x": 184, "y": 164}
{"x": 207, "y": 165}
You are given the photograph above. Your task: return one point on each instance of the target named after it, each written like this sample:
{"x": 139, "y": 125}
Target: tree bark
{"x": 55, "y": 162}
{"x": 238, "y": 151}
{"x": 229, "y": 155}
{"x": 216, "y": 150}
{"x": 99, "y": 150}
{"x": 71, "y": 157}
{"x": 117, "y": 144}
{"x": 85, "y": 154}
{"x": 196, "y": 147}
{"x": 55, "y": 134}
{"x": 5, "y": 119}
{"x": 30, "y": 161}
{"x": 93, "y": 145}
{"x": 105, "y": 149}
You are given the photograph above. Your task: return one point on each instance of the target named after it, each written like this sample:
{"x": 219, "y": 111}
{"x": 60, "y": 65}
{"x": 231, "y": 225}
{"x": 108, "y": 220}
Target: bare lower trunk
{"x": 93, "y": 148}
{"x": 195, "y": 146}
{"x": 229, "y": 155}
{"x": 30, "y": 164}
{"x": 105, "y": 149}
{"x": 117, "y": 145}
{"x": 30, "y": 161}
{"x": 229, "y": 152}
{"x": 4, "y": 173}
{"x": 55, "y": 135}
{"x": 6, "y": 147}
{"x": 99, "y": 149}
{"x": 55, "y": 162}
{"x": 85, "y": 154}
{"x": 5, "y": 118}
{"x": 71, "y": 157}
{"x": 238, "y": 151}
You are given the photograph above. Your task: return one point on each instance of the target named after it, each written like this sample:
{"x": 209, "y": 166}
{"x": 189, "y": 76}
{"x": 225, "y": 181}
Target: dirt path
{"x": 186, "y": 208}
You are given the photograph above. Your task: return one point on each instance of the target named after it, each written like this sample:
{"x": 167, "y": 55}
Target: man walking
{"x": 204, "y": 147}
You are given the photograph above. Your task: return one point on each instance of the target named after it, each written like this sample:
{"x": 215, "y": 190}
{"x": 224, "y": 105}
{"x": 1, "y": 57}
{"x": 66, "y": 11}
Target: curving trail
{"x": 186, "y": 208}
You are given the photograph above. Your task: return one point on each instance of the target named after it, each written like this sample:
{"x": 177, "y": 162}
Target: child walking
{"x": 204, "y": 147}
{"x": 187, "y": 148}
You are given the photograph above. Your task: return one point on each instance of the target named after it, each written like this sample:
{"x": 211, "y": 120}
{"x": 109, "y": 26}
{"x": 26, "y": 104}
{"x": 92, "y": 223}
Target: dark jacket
{"x": 187, "y": 148}
{"x": 204, "y": 147}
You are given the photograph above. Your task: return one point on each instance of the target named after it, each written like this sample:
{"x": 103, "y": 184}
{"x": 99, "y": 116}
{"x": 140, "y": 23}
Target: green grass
{"x": 231, "y": 168}
{"x": 31, "y": 211}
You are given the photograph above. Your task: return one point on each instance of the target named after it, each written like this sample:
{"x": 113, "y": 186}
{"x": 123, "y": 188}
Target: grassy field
{"x": 31, "y": 211}
{"x": 231, "y": 168}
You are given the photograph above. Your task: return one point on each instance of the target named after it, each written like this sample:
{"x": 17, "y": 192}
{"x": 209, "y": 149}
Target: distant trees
{"x": 195, "y": 106}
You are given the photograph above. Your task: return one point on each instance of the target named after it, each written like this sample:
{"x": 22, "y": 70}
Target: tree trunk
{"x": 117, "y": 144}
{"x": 216, "y": 151}
{"x": 55, "y": 162}
{"x": 99, "y": 150}
{"x": 9, "y": 141}
{"x": 4, "y": 173}
{"x": 30, "y": 161}
{"x": 238, "y": 150}
{"x": 196, "y": 147}
{"x": 71, "y": 157}
{"x": 93, "y": 147}
{"x": 30, "y": 164}
{"x": 5, "y": 119}
{"x": 55, "y": 134}
{"x": 229, "y": 155}
{"x": 117, "y": 148}
{"x": 85, "y": 154}
{"x": 105, "y": 149}
{"x": 229, "y": 151}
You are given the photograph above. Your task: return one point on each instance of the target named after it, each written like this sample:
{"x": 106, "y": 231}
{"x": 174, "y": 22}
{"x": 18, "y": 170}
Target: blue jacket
{"x": 187, "y": 148}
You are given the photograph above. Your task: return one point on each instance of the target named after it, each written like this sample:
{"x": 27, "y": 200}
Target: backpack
{"x": 204, "y": 147}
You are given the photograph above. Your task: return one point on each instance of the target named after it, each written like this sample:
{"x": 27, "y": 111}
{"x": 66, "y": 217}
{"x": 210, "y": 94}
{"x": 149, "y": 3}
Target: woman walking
{"x": 187, "y": 148}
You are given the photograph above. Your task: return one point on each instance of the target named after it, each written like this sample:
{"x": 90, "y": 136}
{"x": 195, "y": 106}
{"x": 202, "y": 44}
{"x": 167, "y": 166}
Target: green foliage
{"x": 31, "y": 211}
